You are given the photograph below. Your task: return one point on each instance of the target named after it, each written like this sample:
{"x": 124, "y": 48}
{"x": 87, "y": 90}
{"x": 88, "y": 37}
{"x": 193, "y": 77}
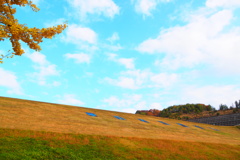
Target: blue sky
{"x": 129, "y": 55}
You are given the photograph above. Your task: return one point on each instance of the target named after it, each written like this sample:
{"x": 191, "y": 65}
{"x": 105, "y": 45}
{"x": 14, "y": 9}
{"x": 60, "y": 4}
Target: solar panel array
{"x": 198, "y": 127}
{"x": 214, "y": 129}
{"x": 182, "y": 125}
{"x": 119, "y": 117}
{"x": 143, "y": 120}
{"x": 163, "y": 122}
{"x": 91, "y": 114}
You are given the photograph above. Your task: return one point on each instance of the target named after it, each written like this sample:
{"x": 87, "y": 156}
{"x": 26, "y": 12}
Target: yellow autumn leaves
{"x": 12, "y": 30}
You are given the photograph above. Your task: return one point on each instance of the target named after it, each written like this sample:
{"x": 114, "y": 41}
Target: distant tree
{"x": 137, "y": 112}
{"x": 155, "y": 112}
{"x": 143, "y": 113}
{"x": 185, "y": 118}
{"x": 223, "y": 107}
{"x": 214, "y": 109}
{"x": 149, "y": 113}
{"x": 236, "y": 104}
{"x": 208, "y": 108}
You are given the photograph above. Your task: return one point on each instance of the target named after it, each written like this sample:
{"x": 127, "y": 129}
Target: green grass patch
{"x": 27, "y": 145}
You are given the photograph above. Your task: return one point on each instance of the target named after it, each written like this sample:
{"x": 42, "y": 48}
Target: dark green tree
{"x": 236, "y": 104}
{"x": 223, "y": 107}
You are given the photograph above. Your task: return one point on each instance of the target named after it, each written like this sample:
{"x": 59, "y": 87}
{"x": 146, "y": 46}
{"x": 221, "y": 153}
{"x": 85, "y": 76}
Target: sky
{"x": 128, "y": 55}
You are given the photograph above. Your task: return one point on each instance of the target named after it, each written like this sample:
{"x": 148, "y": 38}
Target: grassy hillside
{"x": 20, "y": 144}
{"x": 47, "y": 130}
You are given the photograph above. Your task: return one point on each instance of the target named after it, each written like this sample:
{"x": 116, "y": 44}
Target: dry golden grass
{"x": 39, "y": 116}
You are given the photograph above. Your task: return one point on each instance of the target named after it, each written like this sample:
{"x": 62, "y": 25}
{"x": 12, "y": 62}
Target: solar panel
{"x": 91, "y": 114}
{"x": 214, "y": 129}
{"x": 143, "y": 120}
{"x": 182, "y": 125}
{"x": 198, "y": 127}
{"x": 163, "y": 122}
{"x": 119, "y": 118}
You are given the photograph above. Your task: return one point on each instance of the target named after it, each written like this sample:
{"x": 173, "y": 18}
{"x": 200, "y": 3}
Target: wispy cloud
{"x": 136, "y": 79}
{"x": 79, "y": 57}
{"x": 114, "y": 37}
{"x": 130, "y": 103}
{"x": 77, "y": 34}
{"x": 70, "y": 99}
{"x": 43, "y": 68}
{"x": 9, "y": 80}
{"x": 206, "y": 39}
{"x": 127, "y": 62}
{"x": 209, "y": 94}
{"x": 84, "y": 8}
{"x": 145, "y": 7}
{"x": 222, "y": 3}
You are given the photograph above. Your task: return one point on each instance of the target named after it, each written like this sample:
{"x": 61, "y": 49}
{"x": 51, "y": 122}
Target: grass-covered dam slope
{"x": 38, "y": 130}
{"x": 22, "y": 144}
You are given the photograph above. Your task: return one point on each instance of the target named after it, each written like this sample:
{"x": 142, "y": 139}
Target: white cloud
{"x": 56, "y": 83}
{"x": 214, "y": 95}
{"x": 222, "y": 3}
{"x": 133, "y": 79}
{"x": 164, "y": 80}
{"x": 79, "y": 57}
{"x": 123, "y": 82}
{"x": 113, "y": 47}
{"x": 9, "y": 80}
{"x": 37, "y": 58}
{"x": 130, "y": 103}
{"x": 145, "y": 7}
{"x": 156, "y": 106}
{"x": 136, "y": 79}
{"x": 206, "y": 39}
{"x": 127, "y": 62}
{"x": 70, "y": 99}
{"x": 128, "y": 110}
{"x": 127, "y": 101}
{"x": 114, "y": 37}
{"x": 77, "y": 34}
{"x": 95, "y": 7}
{"x": 43, "y": 67}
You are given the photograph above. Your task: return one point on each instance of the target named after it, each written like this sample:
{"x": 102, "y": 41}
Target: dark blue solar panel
{"x": 163, "y": 122}
{"x": 182, "y": 125}
{"x": 143, "y": 120}
{"x": 214, "y": 129}
{"x": 91, "y": 114}
{"x": 119, "y": 117}
{"x": 198, "y": 127}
